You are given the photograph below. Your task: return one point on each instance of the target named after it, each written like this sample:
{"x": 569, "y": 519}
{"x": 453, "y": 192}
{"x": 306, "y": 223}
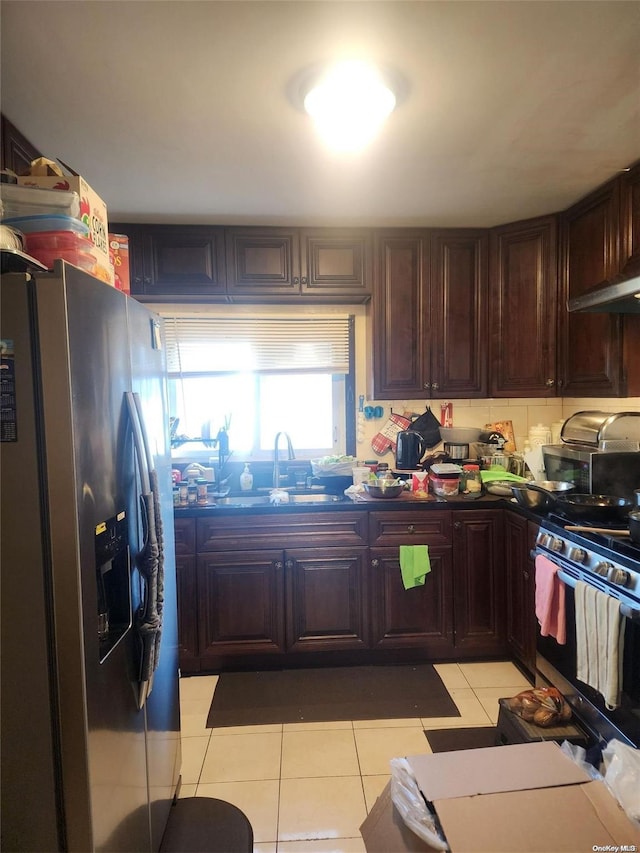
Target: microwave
{"x": 593, "y": 471}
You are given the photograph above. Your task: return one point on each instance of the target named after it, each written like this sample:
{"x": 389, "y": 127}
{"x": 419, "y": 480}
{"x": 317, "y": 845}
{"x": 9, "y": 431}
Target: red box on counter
{"x": 119, "y": 257}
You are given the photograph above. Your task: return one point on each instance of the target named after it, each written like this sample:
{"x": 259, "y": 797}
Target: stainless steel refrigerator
{"x": 89, "y": 704}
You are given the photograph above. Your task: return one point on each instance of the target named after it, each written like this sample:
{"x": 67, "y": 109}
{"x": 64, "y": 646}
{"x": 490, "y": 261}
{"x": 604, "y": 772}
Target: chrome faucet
{"x": 276, "y": 460}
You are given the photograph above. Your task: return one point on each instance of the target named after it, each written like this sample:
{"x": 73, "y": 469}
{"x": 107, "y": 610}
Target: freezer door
{"x": 84, "y": 347}
{"x": 148, "y": 369}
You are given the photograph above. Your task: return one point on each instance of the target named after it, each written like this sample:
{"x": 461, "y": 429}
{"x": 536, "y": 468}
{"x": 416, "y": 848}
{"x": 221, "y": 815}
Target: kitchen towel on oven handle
{"x": 599, "y": 642}
{"x": 550, "y": 600}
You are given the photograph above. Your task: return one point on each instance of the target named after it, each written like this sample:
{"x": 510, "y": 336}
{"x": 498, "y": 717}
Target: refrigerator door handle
{"x": 138, "y": 442}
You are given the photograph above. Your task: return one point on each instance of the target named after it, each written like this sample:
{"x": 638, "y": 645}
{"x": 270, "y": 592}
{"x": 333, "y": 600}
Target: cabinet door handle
{"x": 375, "y": 563}
{"x": 296, "y": 280}
{"x": 147, "y": 279}
{"x": 288, "y": 564}
{"x": 427, "y": 386}
{"x": 411, "y": 528}
{"x": 550, "y": 383}
{"x": 277, "y": 565}
{"x": 434, "y": 386}
{"x": 304, "y": 279}
{"x": 457, "y": 525}
{"x": 526, "y": 575}
{"x": 137, "y": 279}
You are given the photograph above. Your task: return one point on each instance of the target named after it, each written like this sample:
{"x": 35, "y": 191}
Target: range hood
{"x": 620, "y": 298}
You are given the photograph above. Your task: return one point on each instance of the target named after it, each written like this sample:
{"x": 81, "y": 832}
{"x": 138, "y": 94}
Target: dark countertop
{"x": 458, "y": 502}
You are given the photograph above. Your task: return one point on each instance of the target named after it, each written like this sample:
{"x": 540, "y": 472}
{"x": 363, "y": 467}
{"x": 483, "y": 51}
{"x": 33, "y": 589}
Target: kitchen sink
{"x": 263, "y": 500}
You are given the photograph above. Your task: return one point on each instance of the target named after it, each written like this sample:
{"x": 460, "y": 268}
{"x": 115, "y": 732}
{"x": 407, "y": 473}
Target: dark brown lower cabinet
{"x": 421, "y": 617}
{"x": 188, "y": 650}
{"x": 240, "y": 604}
{"x": 326, "y": 599}
{"x": 478, "y": 582}
{"x": 326, "y": 588}
{"x": 520, "y": 536}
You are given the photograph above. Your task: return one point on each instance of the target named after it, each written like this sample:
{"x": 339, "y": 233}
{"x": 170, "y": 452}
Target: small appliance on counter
{"x": 410, "y": 448}
{"x": 599, "y": 453}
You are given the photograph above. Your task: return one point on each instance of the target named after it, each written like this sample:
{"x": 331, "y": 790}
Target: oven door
{"x": 557, "y": 665}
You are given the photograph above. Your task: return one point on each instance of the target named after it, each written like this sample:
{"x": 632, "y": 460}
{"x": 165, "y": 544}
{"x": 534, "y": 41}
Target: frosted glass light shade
{"x": 349, "y": 103}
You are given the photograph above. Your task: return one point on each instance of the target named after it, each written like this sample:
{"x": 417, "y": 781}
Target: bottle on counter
{"x": 246, "y": 479}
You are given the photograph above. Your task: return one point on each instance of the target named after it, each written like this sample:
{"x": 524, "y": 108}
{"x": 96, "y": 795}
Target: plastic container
{"x": 444, "y": 488}
{"x": 56, "y": 240}
{"x": 29, "y": 201}
{"x": 47, "y": 222}
{"x": 79, "y": 259}
{"x": 360, "y": 475}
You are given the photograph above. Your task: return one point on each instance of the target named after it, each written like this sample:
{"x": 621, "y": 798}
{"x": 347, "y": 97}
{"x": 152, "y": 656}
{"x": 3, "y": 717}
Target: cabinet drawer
{"x": 404, "y": 528}
{"x": 185, "y": 533}
{"x": 278, "y": 530}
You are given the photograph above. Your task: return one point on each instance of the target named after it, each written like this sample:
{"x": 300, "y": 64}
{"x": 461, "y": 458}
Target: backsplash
{"x": 523, "y": 413}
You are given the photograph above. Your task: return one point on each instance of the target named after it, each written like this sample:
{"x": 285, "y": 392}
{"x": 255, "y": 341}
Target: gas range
{"x": 608, "y": 562}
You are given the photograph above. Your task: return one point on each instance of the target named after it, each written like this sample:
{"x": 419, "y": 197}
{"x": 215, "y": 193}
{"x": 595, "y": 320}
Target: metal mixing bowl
{"x": 384, "y": 488}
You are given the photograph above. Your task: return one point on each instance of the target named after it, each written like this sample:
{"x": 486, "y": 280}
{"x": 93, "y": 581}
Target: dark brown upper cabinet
{"x": 429, "y": 314}
{"x": 17, "y": 152}
{"x": 175, "y": 262}
{"x": 277, "y": 264}
{"x": 630, "y": 223}
{"x": 591, "y": 354}
{"x": 523, "y": 300}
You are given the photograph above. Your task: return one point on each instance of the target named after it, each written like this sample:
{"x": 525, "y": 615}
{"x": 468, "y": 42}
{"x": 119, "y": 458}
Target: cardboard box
{"x": 93, "y": 212}
{"x": 119, "y": 258}
{"x": 524, "y": 798}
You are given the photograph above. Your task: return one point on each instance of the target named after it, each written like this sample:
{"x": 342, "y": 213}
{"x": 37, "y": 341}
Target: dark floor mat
{"x": 448, "y": 740}
{"x": 336, "y": 693}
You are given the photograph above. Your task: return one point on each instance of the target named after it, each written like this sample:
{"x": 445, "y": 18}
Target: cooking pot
{"x": 634, "y": 526}
{"x": 599, "y": 509}
{"x": 410, "y": 448}
{"x": 456, "y": 450}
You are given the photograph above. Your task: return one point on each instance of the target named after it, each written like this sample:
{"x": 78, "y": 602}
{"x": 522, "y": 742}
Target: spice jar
{"x": 192, "y": 495}
{"x": 201, "y": 491}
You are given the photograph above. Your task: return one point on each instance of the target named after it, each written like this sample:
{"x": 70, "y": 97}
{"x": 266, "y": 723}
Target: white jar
{"x": 539, "y": 435}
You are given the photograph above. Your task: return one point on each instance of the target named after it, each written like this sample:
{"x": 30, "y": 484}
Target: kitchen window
{"x": 256, "y": 376}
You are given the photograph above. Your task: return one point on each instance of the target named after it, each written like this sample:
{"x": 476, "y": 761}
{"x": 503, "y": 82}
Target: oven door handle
{"x": 625, "y": 610}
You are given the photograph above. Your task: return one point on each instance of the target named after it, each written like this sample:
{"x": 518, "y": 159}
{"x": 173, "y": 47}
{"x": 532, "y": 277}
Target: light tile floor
{"x": 307, "y": 787}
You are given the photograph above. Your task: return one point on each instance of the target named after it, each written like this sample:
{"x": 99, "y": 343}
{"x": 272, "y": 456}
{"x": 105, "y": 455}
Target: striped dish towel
{"x": 599, "y": 642}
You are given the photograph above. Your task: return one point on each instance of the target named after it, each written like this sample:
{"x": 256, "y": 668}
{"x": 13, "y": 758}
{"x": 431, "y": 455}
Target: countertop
{"x": 342, "y": 503}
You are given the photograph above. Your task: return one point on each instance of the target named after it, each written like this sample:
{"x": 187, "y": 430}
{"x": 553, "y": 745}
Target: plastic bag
{"x": 578, "y": 755}
{"x": 332, "y": 467}
{"x": 406, "y": 797}
{"x": 542, "y": 706}
{"x": 622, "y": 776}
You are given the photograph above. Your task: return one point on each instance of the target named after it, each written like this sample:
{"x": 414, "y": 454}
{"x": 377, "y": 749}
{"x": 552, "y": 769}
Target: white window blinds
{"x": 238, "y": 344}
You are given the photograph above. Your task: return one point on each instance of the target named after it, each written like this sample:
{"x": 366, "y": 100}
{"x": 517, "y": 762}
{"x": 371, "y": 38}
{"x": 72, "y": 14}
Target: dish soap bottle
{"x": 246, "y": 479}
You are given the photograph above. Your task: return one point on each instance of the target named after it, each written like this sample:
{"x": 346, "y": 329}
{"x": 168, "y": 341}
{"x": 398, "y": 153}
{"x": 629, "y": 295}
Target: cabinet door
{"x": 240, "y": 606}
{"x": 478, "y": 569}
{"x": 521, "y": 625}
{"x": 523, "y": 299}
{"x": 187, "y": 593}
{"x": 412, "y": 618}
{"x": 262, "y": 262}
{"x": 182, "y": 263}
{"x": 336, "y": 265}
{"x": 458, "y": 332}
{"x": 400, "y": 316}
{"x": 327, "y": 599}
{"x": 591, "y": 353}
{"x": 630, "y": 223}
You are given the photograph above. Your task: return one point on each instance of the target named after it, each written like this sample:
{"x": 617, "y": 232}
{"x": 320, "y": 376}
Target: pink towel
{"x": 550, "y": 607}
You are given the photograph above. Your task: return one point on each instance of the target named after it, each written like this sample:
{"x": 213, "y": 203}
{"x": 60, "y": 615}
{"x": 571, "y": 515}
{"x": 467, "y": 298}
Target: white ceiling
{"x": 178, "y": 111}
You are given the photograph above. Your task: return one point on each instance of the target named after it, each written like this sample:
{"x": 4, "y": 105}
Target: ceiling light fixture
{"x": 349, "y": 103}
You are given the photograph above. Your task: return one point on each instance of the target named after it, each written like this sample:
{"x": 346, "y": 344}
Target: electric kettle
{"x": 410, "y": 448}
